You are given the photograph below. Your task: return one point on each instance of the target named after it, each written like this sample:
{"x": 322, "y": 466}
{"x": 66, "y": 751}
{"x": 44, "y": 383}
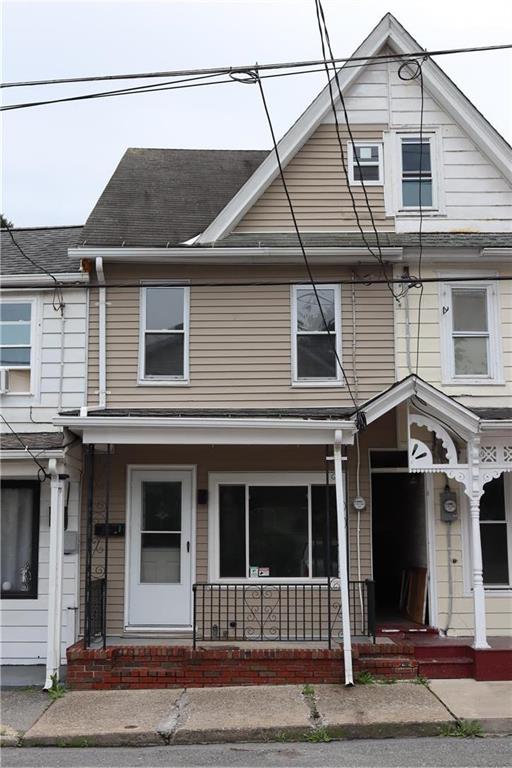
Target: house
{"x": 270, "y": 460}
{"x": 42, "y": 371}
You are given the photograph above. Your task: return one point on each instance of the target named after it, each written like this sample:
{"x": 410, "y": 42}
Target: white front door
{"x": 160, "y": 548}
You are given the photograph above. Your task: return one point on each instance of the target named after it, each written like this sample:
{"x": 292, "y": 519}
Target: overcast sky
{"x": 57, "y": 159}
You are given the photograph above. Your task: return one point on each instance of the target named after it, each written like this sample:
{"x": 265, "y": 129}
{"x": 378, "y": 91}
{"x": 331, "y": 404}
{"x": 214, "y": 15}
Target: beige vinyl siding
{"x": 318, "y": 189}
{"x": 240, "y": 341}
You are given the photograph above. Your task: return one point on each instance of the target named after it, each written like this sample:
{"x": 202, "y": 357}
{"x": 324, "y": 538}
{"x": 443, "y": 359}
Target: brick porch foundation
{"x": 150, "y": 666}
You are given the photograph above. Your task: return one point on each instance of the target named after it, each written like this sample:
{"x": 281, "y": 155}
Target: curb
{"x": 125, "y": 739}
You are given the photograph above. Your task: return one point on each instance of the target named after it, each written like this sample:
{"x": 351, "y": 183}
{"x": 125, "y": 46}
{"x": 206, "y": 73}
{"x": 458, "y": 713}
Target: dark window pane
{"x": 161, "y": 506}
{"x": 309, "y": 317}
{"x": 366, "y": 172}
{"x": 15, "y": 334}
{"x": 492, "y": 503}
{"x": 411, "y": 151}
{"x": 15, "y": 312}
{"x": 470, "y": 355}
{"x": 160, "y": 558}
{"x": 321, "y": 553}
{"x": 494, "y": 553}
{"x": 278, "y": 530}
{"x": 232, "y": 531}
{"x": 469, "y": 310}
{"x": 385, "y": 459}
{"x": 164, "y": 309}
{"x": 315, "y": 357}
{"x": 15, "y": 356}
{"x": 411, "y": 193}
{"x": 367, "y": 153}
{"x": 19, "y": 548}
{"x": 164, "y": 354}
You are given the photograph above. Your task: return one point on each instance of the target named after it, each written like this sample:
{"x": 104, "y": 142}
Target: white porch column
{"x": 480, "y": 640}
{"x": 342, "y": 558}
{"x": 56, "y": 558}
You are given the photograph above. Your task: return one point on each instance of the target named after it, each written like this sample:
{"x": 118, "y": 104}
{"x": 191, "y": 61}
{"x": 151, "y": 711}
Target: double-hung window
{"x": 496, "y": 532}
{"x": 416, "y": 180}
{"x": 19, "y": 515}
{"x": 470, "y": 324}
{"x": 316, "y": 335}
{"x": 15, "y": 346}
{"x": 365, "y": 163}
{"x": 274, "y": 529}
{"x": 164, "y": 334}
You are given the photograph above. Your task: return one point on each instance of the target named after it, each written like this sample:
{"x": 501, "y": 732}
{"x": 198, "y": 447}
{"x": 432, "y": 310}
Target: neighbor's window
{"x": 20, "y": 537}
{"x": 276, "y": 531}
{"x": 416, "y": 172}
{"x": 314, "y": 359}
{"x": 365, "y": 163}
{"x": 164, "y": 333}
{"x": 495, "y": 534}
{"x": 15, "y": 347}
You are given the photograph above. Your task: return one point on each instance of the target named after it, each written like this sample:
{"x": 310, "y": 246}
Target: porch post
{"x": 56, "y": 559}
{"x": 342, "y": 559}
{"x": 480, "y": 640}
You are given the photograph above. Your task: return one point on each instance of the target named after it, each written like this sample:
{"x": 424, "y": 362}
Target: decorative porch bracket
{"x": 488, "y": 457}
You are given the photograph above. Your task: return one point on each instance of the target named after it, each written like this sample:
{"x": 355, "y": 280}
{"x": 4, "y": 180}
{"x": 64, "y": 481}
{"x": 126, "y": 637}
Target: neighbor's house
{"x": 42, "y": 371}
{"x": 217, "y": 413}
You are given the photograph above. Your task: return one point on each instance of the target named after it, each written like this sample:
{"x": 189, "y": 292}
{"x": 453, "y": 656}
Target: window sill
{"x": 458, "y": 382}
{"x": 415, "y": 213}
{"x": 367, "y": 184}
{"x": 163, "y": 383}
{"x": 314, "y": 384}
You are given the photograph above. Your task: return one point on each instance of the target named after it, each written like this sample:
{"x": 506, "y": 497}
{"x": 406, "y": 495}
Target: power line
{"x": 241, "y": 69}
{"x": 321, "y": 21}
{"x": 42, "y": 474}
{"x": 58, "y": 298}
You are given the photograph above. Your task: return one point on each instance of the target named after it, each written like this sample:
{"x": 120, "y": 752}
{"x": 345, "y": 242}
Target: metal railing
{"x": 94, "y": 624}
{"x": 280, "y": 611}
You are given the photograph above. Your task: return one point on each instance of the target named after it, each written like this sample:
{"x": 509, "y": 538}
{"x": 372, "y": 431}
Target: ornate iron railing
{"x": 279, "y": 612}
{"x": 94, "y": 624}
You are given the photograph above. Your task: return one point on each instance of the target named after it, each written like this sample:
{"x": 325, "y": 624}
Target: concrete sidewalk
{"x": 261, "y": 713}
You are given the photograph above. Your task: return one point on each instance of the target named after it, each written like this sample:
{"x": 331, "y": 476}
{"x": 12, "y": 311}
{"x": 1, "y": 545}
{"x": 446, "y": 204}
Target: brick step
{"x": 454, "y": 667}
{"x": 392, "y": 666}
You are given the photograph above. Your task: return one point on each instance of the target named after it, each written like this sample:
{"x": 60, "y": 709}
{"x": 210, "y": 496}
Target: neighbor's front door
{"x": 160, "y": 527}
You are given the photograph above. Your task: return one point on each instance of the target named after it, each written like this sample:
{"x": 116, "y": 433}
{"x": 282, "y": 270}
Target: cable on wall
{"x": 42, "y": 474}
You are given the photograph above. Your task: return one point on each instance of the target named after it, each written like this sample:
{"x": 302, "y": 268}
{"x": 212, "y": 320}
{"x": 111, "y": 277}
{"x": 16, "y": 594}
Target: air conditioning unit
{"x": 14, "y": 381}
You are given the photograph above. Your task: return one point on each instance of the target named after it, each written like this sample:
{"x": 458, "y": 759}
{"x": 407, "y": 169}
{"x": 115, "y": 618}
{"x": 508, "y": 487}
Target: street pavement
{"x": 373, "y": 753}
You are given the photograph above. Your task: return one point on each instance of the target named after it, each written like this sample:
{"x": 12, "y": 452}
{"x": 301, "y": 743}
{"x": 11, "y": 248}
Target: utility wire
{"x": 241, "y": 69}
{"x": 360, "y": 416}
{"x": 58, "y": 297}
{"x": 325, "y": 40}
{"x": 42, "y": 474}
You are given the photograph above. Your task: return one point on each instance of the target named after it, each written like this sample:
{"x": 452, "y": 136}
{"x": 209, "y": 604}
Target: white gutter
{"x": 55, "y": 573}
{"x": 341, "y": 515}
{"x": 234, "y": 255}
{"x": 16, "y": 455}
{"x": 74, "y": 422}
{"x": 486, "y": 425}
{"x": 43, "y": 280}
{"x": 102, "y": 333}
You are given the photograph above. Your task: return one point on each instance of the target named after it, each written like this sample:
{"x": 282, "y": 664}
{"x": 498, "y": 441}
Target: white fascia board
{"x": 43, "y": 280}
{"x": 25, "y": 456}
{"x": 448, "y": 253}
{"x": 263, "y": 255}
{"x": 496, "y": 425}
{"x": 457, "y": 414}
{"x": 497, "y": 254}
{"x": 291, "y": 142}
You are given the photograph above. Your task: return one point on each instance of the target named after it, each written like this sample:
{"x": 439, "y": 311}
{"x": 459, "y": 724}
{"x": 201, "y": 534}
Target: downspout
{"x": 102, "y": 333}
{"x": 342, "y": 557}
{"x": 56, "y": 566}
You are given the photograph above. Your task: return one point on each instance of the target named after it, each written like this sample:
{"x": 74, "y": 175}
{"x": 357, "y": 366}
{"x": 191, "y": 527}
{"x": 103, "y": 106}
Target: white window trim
{"x": 434, "y": 137}
{"x": 296, "y": 382}
{"x": 20, "y": 398}
{"x": 164, "y": 381}
{"x": 495, "y": 374}
{"x": 216, "y": 479}
{"x": 491, "y": 590}
{"x": 351, "y": 161}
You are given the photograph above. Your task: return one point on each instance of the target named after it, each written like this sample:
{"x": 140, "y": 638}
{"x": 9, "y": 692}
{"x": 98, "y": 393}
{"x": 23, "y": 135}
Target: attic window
{"x": 365, "y": 163}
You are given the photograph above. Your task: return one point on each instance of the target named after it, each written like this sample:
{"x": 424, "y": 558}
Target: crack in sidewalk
{"x": 167, "y": 728}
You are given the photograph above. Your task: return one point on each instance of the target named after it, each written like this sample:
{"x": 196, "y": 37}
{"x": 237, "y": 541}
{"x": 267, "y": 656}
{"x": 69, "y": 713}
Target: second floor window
{"x": 164, "y": 333}
{"x": 314, "y": 359}
{"x": 416, "y": 173}
{"x": 365, "y": 163}
{"x": 15, "y": 347}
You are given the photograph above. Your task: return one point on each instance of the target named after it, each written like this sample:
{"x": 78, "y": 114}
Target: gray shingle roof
{"x": 47, "y": 246}
{"x": 386, "y": 239}
{"x": 36, "y": 441}
{"x": 167, "y": 196}
{"x": 200, "y": 413}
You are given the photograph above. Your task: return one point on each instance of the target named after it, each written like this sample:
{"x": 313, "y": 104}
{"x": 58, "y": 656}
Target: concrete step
{"x": 435, "y": 651}
{"x": 442, "y": 668}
